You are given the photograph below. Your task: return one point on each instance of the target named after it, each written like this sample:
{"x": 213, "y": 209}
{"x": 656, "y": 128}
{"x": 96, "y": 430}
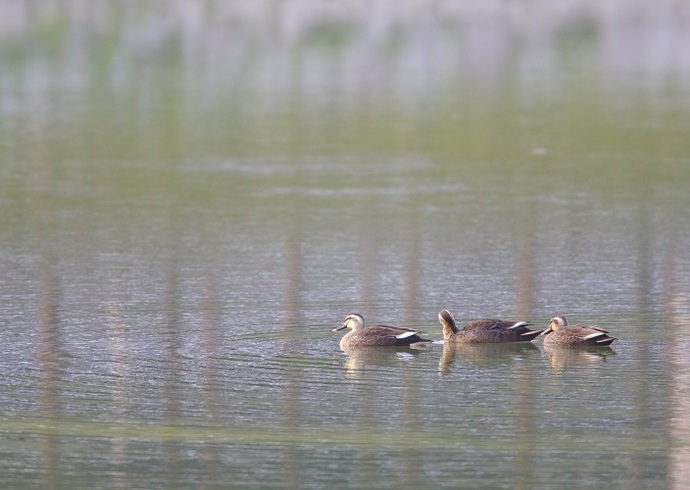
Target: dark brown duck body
{"x": 485, "y": 331}
{"x": 560, "y": 333}
{"x": 375, "y": 335}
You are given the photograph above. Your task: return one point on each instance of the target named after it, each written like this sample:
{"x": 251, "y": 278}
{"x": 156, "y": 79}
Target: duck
{"x": 560, "y": 332}
{"x": 485, "y": 331}
{"x": 375, "y": 335}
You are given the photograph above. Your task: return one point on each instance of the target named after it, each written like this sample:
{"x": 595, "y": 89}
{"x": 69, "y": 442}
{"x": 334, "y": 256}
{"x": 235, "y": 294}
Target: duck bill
{"x": 341, "y": 327}
{"x": 546, "y": 331}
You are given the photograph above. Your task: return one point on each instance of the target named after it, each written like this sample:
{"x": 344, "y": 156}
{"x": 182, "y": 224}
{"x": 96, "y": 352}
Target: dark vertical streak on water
{"x": 525, "y": 411}
{"x": 49, "y": 350}
{"x": 211, "y": 379}
{"x": 411, "y": 395}
{"x": 523, "y": 236}
{"x": 294, "y": 266}
{"x": 172, "y": 333}
{"x": 411, "y": 256}
{"x": 366, "y": 246}
{"x": 49, "y": 355}
{"x": 524, "y": 232}
{"x": 649, "y": 397}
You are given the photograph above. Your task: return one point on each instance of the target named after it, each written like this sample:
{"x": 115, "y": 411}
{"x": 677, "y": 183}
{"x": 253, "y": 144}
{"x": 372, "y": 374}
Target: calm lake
{"x": 194, "y": 194}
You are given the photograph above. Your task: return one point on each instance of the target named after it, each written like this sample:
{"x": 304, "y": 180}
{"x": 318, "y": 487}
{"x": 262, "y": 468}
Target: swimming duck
{"x": 485, "y": 331}
{"x": 375, "y": 335}
{"x": 561, "y": 333}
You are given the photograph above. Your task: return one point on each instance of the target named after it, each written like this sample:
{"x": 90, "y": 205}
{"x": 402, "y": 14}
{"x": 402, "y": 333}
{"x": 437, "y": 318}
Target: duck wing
{"x": 483, "y": 324}
{"x": 494, "y": 324}
{"x": 389, "y": 335}
{"x": 593, "y": 335}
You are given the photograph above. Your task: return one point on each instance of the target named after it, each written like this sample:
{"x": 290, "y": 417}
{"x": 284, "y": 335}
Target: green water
{"x": 193, "y": 195}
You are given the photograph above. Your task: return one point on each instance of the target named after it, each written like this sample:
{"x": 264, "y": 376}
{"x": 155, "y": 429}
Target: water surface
{"x": 188, "y": 209}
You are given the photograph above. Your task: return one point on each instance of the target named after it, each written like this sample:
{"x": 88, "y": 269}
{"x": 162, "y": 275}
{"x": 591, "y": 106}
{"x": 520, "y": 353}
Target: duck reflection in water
{"x": 561, "y": 356}
{"x": 360, "y": 359}
{"x": 483, "y": 355}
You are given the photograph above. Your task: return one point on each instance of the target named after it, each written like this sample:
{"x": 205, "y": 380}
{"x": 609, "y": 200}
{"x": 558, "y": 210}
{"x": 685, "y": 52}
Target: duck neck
{"x": 449, "y": 330}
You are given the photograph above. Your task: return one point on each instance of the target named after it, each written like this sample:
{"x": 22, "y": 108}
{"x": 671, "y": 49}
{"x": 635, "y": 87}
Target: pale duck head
{"x": 557, "y": 322}
{"x": 354, "y": 321}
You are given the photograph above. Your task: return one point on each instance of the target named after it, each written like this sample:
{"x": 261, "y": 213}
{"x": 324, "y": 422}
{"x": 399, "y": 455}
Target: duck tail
{"x": 531, "y": 334}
